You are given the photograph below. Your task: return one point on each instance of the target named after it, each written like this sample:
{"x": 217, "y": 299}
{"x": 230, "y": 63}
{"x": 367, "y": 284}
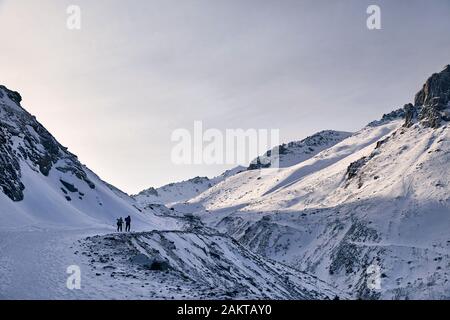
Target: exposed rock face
{"x": 433, "y": 114}
{"x": 433, "y": 101}
{"x": 13, "y": 95}
{"x": 152, "y": 191}
{"x": 267, "y": 159}
{"x": 24, "y": 140}
{"x": 394, "y": 115}
{"x": 438, "y": 85}
{"x": 411, "y": 114}
{"x": 354, "y": 167}
{"x": 9, "y": 167}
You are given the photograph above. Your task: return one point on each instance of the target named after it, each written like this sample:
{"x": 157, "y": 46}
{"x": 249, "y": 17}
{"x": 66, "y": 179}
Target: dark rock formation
{"x": 438, "y": 85}
{"x": 354, "y": 167}
{"x": 13, "y": 95}
{"x": 266, "y": 160}
{"x": 152, "y": 192}
{"x": 434, "y": 100}
{"x": 394, "y": 115}
{"x": 10, "y": 173}
{"x": 411, "y": 114}
{"x": 24, "y": 140}
{"x": 68, "y": 186}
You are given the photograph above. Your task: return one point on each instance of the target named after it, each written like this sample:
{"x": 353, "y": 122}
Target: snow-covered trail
{"x": 33, "y": 264}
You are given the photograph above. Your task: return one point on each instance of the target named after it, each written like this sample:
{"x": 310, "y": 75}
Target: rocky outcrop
{"x": 388, "y": 117}
{"x": 13, "y": 95}
{"x": 24, "y": 140}
{"x": 411, "y": 114}
{"x": 10, "y": 173}
{"x": 433, "y": 101}
{"x": 152, "y": 192}
{"x": 438, "y": 85}
{"x": 354, "y": 167}
{"x": 267, "y": 160}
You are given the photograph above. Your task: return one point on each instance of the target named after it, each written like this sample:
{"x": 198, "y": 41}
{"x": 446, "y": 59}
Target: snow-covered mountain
{"x": 43, "y": 184}
{"x": 287, "y": 155}
{"x": 55, "y": 213}
{"x": 379, "y": 198}
{"x": 251, "y": 185}
{"x": 181, "y": 191}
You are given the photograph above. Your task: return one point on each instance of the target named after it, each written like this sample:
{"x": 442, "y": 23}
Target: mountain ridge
{"x": 378, "y": 198}
{"x": 288, "y": 154}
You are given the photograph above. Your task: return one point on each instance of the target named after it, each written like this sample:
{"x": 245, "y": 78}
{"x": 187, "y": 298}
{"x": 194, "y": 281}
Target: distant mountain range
{"x": 287, "y": 155}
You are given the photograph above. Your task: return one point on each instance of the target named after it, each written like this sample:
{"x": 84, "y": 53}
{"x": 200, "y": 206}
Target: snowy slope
{"x": 181, "y": 191}
{"x": 379, "y": 198}
{"x": 44, "y": 185}
{"x": 251, "y": 185}
{"x": 289, "y": 154}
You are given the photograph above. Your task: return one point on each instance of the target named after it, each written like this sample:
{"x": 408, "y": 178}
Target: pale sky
{"x": 114, "y": 91}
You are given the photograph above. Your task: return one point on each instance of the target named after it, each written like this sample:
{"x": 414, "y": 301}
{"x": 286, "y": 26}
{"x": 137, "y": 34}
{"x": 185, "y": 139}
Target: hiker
{"x": 119, "y": 224}
{"x": 127, "y": 224}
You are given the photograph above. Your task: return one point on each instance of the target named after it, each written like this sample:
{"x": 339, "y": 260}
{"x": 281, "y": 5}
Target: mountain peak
{"x": 12, "y": 95}
{"x": 437, "y": 87}
{"x": 432, "y": 102}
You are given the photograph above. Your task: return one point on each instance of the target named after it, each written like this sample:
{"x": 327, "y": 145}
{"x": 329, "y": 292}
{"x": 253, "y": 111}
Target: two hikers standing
{"x": 127, "y": 224}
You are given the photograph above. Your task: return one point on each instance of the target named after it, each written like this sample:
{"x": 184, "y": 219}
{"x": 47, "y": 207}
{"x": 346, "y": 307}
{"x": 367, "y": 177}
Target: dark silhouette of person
{"x": 127, "y": 224}
{"x": 119, "y": 224}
